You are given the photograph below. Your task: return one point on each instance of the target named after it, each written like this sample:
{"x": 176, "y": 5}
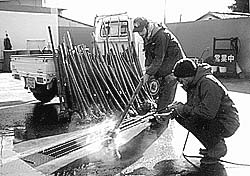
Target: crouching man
{"x": 209, "y": 113}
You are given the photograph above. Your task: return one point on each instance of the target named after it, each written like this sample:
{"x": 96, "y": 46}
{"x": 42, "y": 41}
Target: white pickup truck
{"x": 38, "y": 73}
{"x": 38, "y": 70}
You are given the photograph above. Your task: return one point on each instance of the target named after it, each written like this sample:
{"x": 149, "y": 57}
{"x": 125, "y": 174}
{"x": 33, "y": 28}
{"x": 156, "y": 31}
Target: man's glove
{"x": 173, "y": 114}
{"x": 178, "y": 107}
{"x": 145, "y": 78}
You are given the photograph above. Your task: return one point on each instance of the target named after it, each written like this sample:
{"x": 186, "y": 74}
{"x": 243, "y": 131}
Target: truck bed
{"x": 42, "y": 63}
{"x": 33, "y": 66}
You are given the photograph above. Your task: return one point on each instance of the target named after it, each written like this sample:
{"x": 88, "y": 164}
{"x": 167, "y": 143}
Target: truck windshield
{"x": 114, "y": 29}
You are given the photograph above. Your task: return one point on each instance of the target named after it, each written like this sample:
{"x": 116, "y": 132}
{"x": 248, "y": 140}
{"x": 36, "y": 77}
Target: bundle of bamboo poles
{"x": 97, "y": 84}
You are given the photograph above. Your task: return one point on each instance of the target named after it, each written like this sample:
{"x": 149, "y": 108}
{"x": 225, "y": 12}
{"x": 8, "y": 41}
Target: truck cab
{"x": 117, "y": 29}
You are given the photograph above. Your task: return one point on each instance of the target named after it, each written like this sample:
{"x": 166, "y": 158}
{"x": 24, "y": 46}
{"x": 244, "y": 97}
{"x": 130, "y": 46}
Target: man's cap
{"x": 185, "y": 68}
{"x": 139, "y": 24}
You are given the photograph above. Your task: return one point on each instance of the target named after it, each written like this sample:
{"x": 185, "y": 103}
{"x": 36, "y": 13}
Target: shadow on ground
{"x": 41, "y": 122}
{"x": 180, "y": 168}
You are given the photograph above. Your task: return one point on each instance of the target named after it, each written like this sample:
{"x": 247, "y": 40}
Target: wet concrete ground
{"x": 146, "y": 154}
{"x": 160, "y": 158}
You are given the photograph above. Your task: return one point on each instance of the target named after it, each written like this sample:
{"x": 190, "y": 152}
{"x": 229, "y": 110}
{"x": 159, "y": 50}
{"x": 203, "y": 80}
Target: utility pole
{"x": 180, "y": 17}
{"x": 164, "y": 20}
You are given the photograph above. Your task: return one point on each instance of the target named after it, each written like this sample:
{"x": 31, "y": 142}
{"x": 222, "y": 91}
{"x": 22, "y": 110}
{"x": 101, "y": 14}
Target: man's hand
{"x": 145, "y": 78}
{"x": 178, "y": 106}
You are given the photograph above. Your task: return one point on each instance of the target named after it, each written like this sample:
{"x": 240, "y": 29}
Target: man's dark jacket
{"x": 162, "y": 51}
{"x": 208, "y": 99}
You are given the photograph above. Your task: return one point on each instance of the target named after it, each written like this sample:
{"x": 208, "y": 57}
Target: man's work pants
{"x": 208, "y": 132}
{"x": 168, "y": 85}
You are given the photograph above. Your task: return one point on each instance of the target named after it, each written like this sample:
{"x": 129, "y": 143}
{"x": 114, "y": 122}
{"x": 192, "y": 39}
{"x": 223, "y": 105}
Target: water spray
{"x": 113, "y": 133}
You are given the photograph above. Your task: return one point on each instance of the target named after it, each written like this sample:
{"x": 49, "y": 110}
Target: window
{"x": 114, "y": 29}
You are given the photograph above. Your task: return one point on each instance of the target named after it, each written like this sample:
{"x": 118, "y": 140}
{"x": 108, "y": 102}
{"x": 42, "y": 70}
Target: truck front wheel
{"x": 43, "y": 94}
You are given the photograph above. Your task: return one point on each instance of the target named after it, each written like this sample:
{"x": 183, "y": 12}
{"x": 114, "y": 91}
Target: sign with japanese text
{"x": 224, "y": 58}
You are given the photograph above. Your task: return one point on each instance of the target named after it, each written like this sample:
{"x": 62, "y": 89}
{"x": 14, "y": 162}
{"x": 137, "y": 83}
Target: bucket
{"x": 223, "y": 69}
{"x": 214, "y": 68}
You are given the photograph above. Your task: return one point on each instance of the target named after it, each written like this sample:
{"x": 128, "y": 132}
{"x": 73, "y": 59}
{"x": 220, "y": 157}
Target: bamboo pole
{"x": 95, "y": 80}
{"x": 58, "y": 76}
{"x": 103, "y": 83}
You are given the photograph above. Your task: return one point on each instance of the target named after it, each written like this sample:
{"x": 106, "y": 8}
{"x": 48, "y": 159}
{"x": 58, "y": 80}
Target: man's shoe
{"x": 218, "y": 151}
{"x": 208, "y": 160}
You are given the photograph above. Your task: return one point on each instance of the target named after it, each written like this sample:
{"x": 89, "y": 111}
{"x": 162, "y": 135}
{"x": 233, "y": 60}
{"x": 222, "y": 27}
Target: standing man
{"x": 162, "y": 51}
{"x": 7, "y": 43}
{"x": 209, "y": 113}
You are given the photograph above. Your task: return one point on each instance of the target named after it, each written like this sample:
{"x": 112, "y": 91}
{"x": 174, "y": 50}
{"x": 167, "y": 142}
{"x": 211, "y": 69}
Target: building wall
{"x": 25, "y": 29}
{"x": 198, "y": 35}
{"x": 80, "y": 33}
{"x": 37, "y": 3}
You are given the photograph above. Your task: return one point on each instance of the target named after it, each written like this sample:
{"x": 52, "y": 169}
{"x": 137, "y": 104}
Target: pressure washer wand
{"x": 124, "y": 113}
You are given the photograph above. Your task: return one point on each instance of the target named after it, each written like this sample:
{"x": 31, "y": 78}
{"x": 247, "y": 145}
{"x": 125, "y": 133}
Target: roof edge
{"x": 75, "y": 21}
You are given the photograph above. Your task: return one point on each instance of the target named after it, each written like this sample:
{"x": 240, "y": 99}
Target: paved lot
{"x": 164, "y": 156}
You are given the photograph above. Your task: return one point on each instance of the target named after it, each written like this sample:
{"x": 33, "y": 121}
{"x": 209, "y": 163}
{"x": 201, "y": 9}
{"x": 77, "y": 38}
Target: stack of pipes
{"x": 96, "y": 84}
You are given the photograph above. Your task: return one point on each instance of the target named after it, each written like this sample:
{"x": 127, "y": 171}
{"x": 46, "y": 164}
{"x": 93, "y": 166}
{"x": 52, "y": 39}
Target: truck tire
{"x": 44, "y": 95}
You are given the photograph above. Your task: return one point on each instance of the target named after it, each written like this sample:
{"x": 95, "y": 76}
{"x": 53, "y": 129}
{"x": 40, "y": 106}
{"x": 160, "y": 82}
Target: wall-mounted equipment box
{"x": 225, "y": 51}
